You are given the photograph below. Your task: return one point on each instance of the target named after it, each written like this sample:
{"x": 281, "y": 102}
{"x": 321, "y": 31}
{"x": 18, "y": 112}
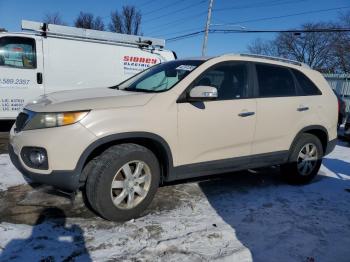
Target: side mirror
{"x": 203, "y": 93}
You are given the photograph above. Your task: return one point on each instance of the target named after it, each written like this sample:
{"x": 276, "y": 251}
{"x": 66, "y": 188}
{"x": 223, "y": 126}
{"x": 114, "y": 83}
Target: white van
{"x": 53, "y": 58}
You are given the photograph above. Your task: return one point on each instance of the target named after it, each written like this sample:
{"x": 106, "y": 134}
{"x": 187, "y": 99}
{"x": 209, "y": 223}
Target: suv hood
{"x": 86, "y": 99}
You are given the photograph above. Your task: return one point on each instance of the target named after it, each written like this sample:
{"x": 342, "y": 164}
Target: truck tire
{"x": 304, "y": 161}
{"x": 123, "y": 182}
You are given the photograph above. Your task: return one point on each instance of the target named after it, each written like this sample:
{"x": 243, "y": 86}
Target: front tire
{"x": 305, "y": 160}
{"x": 123, "y": 182}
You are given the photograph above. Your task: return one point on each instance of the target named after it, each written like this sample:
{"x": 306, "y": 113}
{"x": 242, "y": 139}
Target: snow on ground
{"x": 239, "y": 217}
{"x": 9, "y": 176}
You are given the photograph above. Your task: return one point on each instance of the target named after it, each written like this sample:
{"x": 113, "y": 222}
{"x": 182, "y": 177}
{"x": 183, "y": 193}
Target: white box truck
{"x": 46, "y": 58}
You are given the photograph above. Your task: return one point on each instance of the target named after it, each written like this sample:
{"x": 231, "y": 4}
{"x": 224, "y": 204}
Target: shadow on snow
{"x": 279, "y": 222}
{"x": 50, "y": 240}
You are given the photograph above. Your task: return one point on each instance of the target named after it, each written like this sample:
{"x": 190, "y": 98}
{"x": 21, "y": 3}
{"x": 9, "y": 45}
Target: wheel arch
{"x": 319, "y": 131}
{"x": 153, "y": 142}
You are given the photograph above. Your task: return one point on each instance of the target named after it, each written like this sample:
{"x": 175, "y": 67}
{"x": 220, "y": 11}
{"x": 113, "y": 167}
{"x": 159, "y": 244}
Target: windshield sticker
{"x": 186, "y": 67}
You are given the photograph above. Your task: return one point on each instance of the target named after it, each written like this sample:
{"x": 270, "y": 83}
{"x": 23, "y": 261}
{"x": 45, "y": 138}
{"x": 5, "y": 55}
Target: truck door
{"x": 21, "y": 68}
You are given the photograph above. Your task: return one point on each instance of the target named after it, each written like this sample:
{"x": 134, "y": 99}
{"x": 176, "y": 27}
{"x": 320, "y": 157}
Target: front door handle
{"x": 39, "y": 78}
{"x": 302, "y": 108}
{"x": 245, "y": 114}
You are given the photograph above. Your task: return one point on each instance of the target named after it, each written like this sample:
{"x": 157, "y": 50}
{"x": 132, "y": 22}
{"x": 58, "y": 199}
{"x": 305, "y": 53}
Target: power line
{"x": 226, "y": 31}
{"x": 176, "y": 11}
{"x": 256, "y": 20}
{"x": 147, "y": 3}
{"x": 260, "y": 4}
{"x": 166, "y": 25}
{"x": 289, "y": 15}
{"x": 316, "y": 30}
{"x": 173, "y": 39}
{"x": 178, "y": 32}
{"x": 162, "y": 8}
{"x": 263, "y": 4}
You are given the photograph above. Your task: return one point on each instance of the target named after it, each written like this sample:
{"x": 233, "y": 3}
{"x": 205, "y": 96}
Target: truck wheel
{"x": 305, "y": 160}
{"x": 123, "y": 182}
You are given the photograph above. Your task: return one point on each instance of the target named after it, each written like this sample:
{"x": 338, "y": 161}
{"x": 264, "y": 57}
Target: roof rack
{"x": 274, "y": 58}
{"x": 89, "y": 34}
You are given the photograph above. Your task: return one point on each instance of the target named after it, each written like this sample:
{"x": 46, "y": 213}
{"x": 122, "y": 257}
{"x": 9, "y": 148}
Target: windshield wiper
{"x": 131, "y": 89}
{"x": 115, "y": 87}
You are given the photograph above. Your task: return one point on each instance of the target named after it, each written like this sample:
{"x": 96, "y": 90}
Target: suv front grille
{"x": 21, "y": 121}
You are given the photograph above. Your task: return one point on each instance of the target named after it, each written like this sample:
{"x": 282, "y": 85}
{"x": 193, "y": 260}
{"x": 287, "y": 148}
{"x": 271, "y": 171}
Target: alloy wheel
{"x": 307, "y": 159}
{"x": 131, "y": 184}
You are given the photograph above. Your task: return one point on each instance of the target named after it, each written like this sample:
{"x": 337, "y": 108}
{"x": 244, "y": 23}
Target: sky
{"x": 167, "y": 19}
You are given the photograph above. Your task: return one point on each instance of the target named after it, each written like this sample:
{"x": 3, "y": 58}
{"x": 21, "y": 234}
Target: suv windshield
{"x": 161, "y": 77}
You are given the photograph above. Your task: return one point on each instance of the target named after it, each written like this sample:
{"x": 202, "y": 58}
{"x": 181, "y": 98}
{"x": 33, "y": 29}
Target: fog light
{"x": 35, "y": 157}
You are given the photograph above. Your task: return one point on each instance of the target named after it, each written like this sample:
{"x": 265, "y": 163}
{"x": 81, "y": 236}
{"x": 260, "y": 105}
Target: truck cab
{"x": 21, "y": 67}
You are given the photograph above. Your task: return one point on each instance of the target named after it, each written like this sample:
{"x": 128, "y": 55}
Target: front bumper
{"x": 65, "y": 180}
{"x": 64, "y": 147}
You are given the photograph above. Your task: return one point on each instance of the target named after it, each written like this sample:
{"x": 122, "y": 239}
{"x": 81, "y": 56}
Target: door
{"x": 279, "y": 109}
{"x": 223, "y": 128}
{"x": 20, "y": 73}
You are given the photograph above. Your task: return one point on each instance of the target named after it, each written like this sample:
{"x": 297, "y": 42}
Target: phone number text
{"x": 11, "y": 81}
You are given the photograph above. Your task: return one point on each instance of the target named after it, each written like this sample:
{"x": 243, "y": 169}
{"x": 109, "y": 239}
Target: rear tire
{"x": 122, "y": 182}
{"x": 304, "y": 161}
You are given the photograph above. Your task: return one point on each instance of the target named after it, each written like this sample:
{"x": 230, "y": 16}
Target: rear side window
{"x": 275, "y": 81}
{"x": 307, "y": 86}
{"x": 18, "y": 52}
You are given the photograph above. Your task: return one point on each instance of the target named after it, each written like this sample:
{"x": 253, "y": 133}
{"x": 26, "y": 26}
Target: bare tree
{"x": 88, "y": 21}
{"x": 126, "y": 22}
{"x": 342, "y": 44}
{"x": 315, "y": 49}
{"x": 99, "y": 24}
{"x": 263, "y": 47}
{"x": 54, "y": 18}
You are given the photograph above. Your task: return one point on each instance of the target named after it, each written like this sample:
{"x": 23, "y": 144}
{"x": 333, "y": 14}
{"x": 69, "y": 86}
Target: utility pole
{"x": 205, "y": 40}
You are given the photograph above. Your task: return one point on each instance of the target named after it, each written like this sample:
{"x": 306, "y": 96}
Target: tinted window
{"x": 160, "y": 77}
{"x": 17, "y": 52}
{"x": 229, "y": 79}
{"x": 306, "y": 85}
{"x": 275, "y": 81}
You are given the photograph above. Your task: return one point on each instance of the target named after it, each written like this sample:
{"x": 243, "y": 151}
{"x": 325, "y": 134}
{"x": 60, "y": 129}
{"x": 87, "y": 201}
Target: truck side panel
{"x": 72, "y": 64}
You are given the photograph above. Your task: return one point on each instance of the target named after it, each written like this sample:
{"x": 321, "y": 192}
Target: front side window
{"x": 231, "y": 80}
{"x": 161, "y": 77}
{"x": 308, "y": 87}
{"x": 18, "y": 52}
{"x": 275, "y": 81}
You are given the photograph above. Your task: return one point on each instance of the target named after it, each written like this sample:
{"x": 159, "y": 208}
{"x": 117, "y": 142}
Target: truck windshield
{"x": 161, "y": 77}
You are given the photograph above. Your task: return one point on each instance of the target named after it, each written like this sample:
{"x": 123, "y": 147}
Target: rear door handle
{"x": 302, "y": 108}
{"x": 245, "y": 114}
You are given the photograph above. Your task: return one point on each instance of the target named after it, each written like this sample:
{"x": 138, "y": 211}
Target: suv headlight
{"x": 47, "y": 120}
